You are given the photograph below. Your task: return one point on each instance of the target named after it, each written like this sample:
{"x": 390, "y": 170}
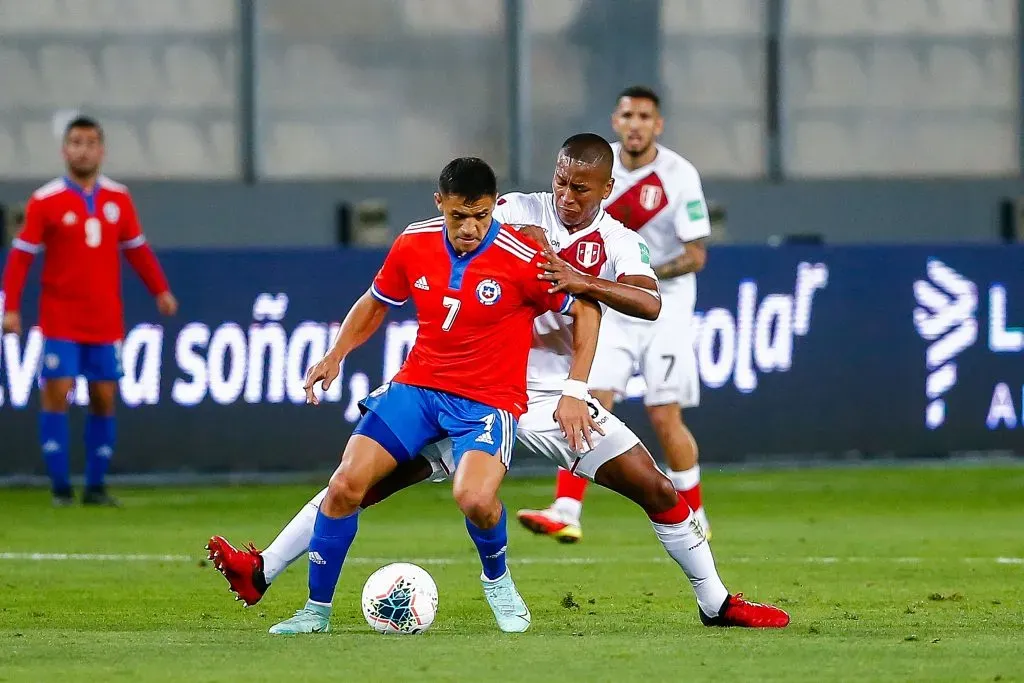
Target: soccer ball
{"x": 400, "y": 598}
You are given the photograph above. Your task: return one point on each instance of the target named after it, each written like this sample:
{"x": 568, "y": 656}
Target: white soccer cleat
{"x": 510, "y": 610}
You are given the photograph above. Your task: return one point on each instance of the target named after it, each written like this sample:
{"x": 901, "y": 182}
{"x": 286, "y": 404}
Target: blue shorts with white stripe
{"x": 416, "y": 417}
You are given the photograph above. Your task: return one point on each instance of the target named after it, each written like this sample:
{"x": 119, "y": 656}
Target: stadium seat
{"x": 22, "y": 84}
{"x": 42, "y": 150}
{"x": 10, "y": 162}
{"x": 298, "y": 150}
{"x": 195, "y": 78}
{"x": 687, "y": 17}
{"x": 28, "y": 16}
{"x": 828, "y": 17}
{"x": 895, "y": 76}
{"x": 68, "y": 74}
{"x": 984, "y": 17}
{"x": 822, "y": 148}
{"x": 999, "y": 70}
{"x": 834, "y": 76}
{"x": 729, "y": 147}
{"x": 131, "y": 76}
{"x": 223, "y": 149}
{"x": 176, "y": 147}
{"x": 476, "y": 17}
{"x": 209, "y": 15}
{"x": 125, "y": 154}
{"x": 559, "y": 82}
{"x": 958, "y": 147}
{"x": 551, "y": 17}
{"x": 954, "y": 77}
{"x": 900, "y": 17}
{"x": 721, "y": 75}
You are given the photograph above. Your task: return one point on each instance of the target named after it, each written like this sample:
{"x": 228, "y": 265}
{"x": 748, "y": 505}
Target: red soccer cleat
{"x": 739, "y": 612}
{"x": 242, "y": 568}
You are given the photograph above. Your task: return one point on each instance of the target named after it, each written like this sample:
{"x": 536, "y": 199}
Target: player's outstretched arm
{"x": 363, "y": 319}
{"x": 573, "y": 414}
{"x": 633, "y": 295}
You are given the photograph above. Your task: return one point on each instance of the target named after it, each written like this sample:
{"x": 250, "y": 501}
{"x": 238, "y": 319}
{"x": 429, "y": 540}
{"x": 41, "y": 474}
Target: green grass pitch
{"x": 893, "y": 574}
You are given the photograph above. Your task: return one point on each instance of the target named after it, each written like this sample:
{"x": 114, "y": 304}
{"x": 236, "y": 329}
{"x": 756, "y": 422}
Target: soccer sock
{"x": 332, "y": 537}
{"x": 293, "y": 541}
{"x": 100, "y": 434}
{"x": 687, "y": 482}
{"x": 569, "y": 490}
{"x": 53, "y": 440}
{"x": 491, "y": 544}
{"x": 691, "y": 551}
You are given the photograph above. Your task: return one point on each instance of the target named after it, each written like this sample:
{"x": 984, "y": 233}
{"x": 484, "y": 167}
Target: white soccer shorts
{"x": 663, "y": 353}
{"x": 540, "y": 434}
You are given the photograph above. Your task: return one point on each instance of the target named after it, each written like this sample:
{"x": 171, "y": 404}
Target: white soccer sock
{"x": 569, "y": 508}
{"x": 293, "y": 541}
{"x": 692, "y": 552}
{"x": 684, "y": 480}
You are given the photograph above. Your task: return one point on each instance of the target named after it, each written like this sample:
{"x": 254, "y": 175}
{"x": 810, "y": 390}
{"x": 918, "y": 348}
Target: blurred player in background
{"x": 476, "y": 291}
{"x": 83, "y": 221}
{"x": 597, "y": 259}
{"x": 658, "y": 194}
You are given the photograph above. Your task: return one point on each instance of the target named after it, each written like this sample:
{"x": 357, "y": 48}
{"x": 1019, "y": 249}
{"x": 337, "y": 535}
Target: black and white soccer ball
{"x": 400, "y": 598}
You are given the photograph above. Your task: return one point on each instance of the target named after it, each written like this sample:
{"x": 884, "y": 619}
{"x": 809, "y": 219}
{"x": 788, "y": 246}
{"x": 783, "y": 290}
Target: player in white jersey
{"x": 599, "y": 259}
{"x": 658, "y": 195}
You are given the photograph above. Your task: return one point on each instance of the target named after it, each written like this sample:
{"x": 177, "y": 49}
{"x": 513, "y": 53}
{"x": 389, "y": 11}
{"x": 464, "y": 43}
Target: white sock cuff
{"x": 686, "y": 479}
{"x": 568, "y": 507}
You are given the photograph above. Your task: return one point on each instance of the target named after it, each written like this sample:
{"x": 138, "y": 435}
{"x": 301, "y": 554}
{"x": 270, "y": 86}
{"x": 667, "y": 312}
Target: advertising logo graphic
{"x": 945, "y": 316}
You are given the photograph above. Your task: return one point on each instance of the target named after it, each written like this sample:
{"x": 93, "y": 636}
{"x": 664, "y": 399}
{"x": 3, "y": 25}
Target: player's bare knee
{"x": 665, "y": 417}
{"x": 55, "y": 393}
{"x": 344, "y": 496}
{"x": 660, "y": 495}
{"x": 480, "y": 507}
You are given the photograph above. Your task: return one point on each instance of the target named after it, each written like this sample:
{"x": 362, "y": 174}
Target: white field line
{"x": 119, "y": 557}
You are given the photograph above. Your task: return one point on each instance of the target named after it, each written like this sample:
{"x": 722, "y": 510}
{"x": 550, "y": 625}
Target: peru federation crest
{"x": 488, "y": 292}
{"x": 588, "y": 254}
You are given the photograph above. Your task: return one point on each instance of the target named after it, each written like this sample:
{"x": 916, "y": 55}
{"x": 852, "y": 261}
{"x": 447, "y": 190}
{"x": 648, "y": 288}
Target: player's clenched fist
{"x": 577, "y": 422}
{"x": 166, "y": 304}
{"x": 325, "y": 372}
{"x": 12, "y": 322}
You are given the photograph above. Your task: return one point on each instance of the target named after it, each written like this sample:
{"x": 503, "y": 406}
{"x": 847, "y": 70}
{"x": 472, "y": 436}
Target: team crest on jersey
{"x": 52, "y": 361}
{"x": 588, "y": 254}
{"x": 488, "y": 292}
{"x": 650, "y": 197}
{"x": 380, "y": 390}
{"x": 69, "y": 218}
{"x": 112, "y": 212}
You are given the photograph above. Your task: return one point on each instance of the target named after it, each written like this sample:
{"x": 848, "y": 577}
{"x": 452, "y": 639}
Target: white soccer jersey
{"x": 663, "y": 202}
{"x": 605, "y": 249}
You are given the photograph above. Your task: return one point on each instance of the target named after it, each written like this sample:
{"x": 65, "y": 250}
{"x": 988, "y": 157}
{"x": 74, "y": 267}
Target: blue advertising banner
{"x": 801, "y": 350}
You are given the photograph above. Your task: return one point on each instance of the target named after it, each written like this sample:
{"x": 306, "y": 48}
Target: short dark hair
{"x": 590, "y": 149}
{"x": 468, "y": 177}
{"x": 640, "y": 92}
{"x": 83, "y": 122}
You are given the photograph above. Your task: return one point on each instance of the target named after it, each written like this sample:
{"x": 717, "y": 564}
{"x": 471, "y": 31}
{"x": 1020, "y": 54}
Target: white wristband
{"x": 574, "y": 388}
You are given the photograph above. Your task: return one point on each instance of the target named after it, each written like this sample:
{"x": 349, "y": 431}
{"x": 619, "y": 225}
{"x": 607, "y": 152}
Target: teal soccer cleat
{"x": 312, "y": 618}
{"x": 510, "y": 611}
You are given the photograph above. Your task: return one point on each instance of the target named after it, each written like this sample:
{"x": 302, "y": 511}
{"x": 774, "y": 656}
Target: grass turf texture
{"x": 889, "y": 574}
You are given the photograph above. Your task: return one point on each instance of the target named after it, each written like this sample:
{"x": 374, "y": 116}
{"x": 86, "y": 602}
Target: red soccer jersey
{"x": 475, "y": 311}
{"x": 83, "y": 235}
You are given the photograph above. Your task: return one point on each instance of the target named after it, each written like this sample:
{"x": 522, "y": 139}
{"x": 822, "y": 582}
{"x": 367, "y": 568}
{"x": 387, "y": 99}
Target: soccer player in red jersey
{"x": 616, "y": 258}
{"x": 83, "y": 221}
{"x": 476, "y": 288}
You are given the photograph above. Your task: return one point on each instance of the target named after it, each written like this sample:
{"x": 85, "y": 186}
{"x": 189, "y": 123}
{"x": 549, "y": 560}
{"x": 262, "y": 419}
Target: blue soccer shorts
{"x": 95, "y": 362}
{"x": 404, "y": 419}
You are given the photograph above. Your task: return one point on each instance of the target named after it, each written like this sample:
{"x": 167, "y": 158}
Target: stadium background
{"x": 248, "y": 130}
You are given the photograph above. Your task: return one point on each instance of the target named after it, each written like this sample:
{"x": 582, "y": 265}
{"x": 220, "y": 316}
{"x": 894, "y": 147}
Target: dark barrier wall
{"x": 910, "y": 350}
